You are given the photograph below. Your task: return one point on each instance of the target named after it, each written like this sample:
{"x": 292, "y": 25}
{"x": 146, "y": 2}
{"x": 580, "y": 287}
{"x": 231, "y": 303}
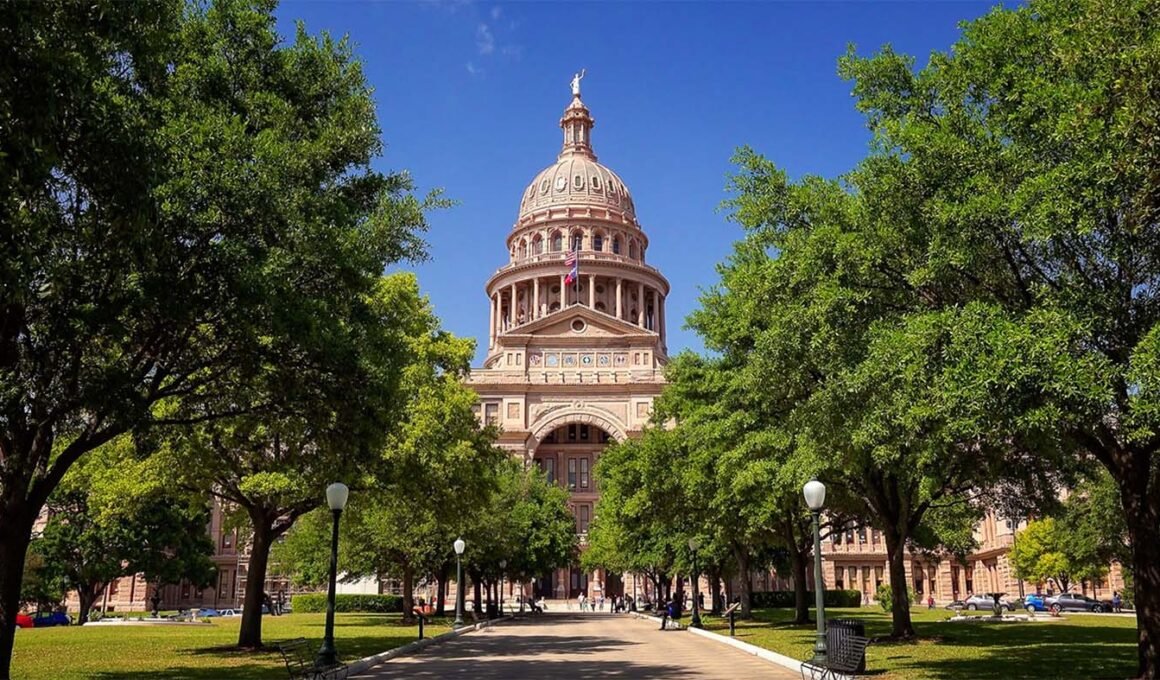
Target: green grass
{"x": 1075, "y": 646}
{"x": 195, "y": 653}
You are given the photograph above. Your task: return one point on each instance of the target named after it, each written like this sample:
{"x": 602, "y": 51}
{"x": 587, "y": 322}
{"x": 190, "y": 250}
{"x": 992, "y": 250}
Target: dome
{"x": 576, "y": 180}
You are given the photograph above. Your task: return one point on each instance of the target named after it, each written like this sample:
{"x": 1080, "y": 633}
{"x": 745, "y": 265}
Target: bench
{"x": 301, "y": 664}
{"x": 843, "y": 662}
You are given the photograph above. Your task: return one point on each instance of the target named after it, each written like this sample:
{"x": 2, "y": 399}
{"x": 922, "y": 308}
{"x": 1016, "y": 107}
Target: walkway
{"x": 574, "y": 645}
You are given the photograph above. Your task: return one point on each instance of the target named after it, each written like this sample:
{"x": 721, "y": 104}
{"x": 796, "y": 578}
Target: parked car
{"x": 208, "y": 613}
{"x": 23, "y": 621}
{"x": 980, "y": 602}
{"x": 1073, "y": 602}
{"x": 1034, "y": 602}
{"x": 50, "y": 619}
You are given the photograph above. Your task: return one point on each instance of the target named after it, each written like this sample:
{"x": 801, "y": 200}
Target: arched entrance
{"x": 567, "y": 454}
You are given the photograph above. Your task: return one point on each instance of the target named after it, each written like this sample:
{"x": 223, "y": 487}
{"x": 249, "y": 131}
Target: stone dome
{"x": 576, "y": 180}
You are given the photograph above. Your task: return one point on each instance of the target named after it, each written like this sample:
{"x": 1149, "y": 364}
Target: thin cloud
{"x": 484, "y": 40}
{"x": 495, "y": 12}
{"x": 473, "y": 69}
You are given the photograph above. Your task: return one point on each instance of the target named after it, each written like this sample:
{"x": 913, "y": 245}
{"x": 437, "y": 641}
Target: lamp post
{"x": 502, "y": 566}
{"x": 815, "y": 493}
{"x": 694, "y": 543}
{"x": 336, "y": 495}
{"x": 459, "y": 547}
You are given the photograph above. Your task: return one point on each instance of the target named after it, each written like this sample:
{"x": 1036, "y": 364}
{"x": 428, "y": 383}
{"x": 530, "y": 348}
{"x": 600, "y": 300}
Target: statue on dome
{"x": 576, "y": 83}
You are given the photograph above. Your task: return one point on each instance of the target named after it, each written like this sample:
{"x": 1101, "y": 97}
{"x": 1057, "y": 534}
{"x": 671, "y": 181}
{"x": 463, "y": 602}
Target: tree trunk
{"x": 901, "y": 626}
{"x": 15, "y": 533}
{"x": 408, "y": 594}
{"x": 715, "y": 590}
{"x": 86, "y": 596}
{"x": 441, "y": 593}
{"x": 742, "y": 557}
{"x": 475, "y": 582}
{"x": 250, "y": 633}
{"x": 801, "y": 594}
{"x": 1143, "y": 517}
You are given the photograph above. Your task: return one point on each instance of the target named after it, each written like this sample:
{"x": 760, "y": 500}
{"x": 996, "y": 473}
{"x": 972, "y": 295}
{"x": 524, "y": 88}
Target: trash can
{"x": 837, "y": 630}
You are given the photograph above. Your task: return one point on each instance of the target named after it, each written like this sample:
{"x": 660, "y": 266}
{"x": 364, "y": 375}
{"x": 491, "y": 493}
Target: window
{"x": 632, "y": 249}
{"x": 227, "y": 539}
{"x": 583, "y": 473}
{"x": 597, "y": 241}
{"x": 615, "y": 245}
{"x": 571, "y": 473}
{"x": 861, "y": 534}
{"x": 491, "y": 414}
{"x": 850, "y": 536}
{"x": 577, "y": 240}
{"x": 557, "y": 242}
{"x": 571, "y": 433}
{"x": 224, "y": 582}
{"x": 583, "y": 519}
{"x": 549, "y": 467}
{"x": 523, "y": 248}
{"x": 874, "y": 536}
{"x": 584, "y": 433}
{"x": 537, "y": 245}
{"x": 839, "y": 584}
{"x": 837, "y": 537}
{"x": 185, "y": 590}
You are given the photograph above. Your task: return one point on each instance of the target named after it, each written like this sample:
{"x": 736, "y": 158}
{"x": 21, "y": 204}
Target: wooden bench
{"x": 843, "y": 662}
{"x": 301, "y": 664}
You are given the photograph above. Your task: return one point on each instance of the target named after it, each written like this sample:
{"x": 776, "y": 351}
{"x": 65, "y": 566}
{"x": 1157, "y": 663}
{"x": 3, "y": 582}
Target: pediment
{"x": 579, "y": 321}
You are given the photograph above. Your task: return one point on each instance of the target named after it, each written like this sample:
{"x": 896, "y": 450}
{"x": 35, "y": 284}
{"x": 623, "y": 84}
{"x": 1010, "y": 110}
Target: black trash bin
{"x": 839, "y": 629}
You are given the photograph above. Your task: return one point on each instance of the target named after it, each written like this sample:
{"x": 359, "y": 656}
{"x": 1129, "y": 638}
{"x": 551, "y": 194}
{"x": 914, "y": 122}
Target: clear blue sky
{"x": 470, "y": 94}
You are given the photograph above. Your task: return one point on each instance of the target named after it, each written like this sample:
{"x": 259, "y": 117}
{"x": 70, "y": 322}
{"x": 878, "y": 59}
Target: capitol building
{"x": 576, "y": 337}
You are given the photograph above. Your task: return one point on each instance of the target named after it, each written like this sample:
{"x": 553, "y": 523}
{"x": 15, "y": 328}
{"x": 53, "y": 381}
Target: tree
{"x": 109, "y": 519}
{"x": 1046, "y": 551}
{"x": 184, "y": 195}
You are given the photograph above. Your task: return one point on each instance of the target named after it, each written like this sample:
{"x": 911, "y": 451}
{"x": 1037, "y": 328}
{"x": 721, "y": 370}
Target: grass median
{"x": 1073, "y": 646}
{"x": 196, "y": 652}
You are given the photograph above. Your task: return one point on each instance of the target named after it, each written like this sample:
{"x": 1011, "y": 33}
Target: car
{"x": 50, "y": 619}
{"x": 23, "y": 621}
{"x": 1073, "y": 602}
{"x": 1034, "y": 602}
{"x": 980, "y": 602}
{"x": 208, "y": 613}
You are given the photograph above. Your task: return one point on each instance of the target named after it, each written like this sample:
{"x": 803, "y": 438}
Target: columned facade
{"x": 575, "y": 351}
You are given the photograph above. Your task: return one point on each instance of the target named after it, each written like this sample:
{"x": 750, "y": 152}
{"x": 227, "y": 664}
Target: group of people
{"x": 617, "y": 604}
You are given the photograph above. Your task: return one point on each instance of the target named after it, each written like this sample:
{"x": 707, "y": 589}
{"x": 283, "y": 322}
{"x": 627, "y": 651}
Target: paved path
{"x": 574, "y": 645}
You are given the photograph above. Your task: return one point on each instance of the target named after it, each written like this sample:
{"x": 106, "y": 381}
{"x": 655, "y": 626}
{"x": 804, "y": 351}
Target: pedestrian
{"x": 663, "y": 610}
{"x": 930, "y": 601}
{"x": 1117, "y": 602}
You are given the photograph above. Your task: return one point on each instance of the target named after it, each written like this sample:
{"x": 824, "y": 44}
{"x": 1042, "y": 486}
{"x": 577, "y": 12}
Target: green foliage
{"x": 785, "y": 599}
{"x": 885, "y": 597}
{"x": 347, "y": 604}
{"x": 1050, "y": 550}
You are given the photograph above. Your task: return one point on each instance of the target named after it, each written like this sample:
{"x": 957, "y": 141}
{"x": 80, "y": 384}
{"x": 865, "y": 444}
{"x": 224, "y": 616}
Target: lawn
{"x": 1075, "y": 646}
{"x": 195, "y": 653}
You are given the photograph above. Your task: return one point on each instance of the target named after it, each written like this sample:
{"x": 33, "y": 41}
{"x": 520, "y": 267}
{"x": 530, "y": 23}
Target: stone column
{"x": 660, "y": 311}
{"x": 591, "y": 291}
{"x": 535, "y": 299}
{"x": 563, "y": 293}
{"x": 491, "y": 323}
{"x": 512, "y": 307}
{"x": 640, "y": 303}
{"x": 619, "y": 314}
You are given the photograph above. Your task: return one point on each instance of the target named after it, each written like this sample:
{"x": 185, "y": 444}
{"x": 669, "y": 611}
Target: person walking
{"x": 1117, "y": 602}
{"x": 663, "y": 610}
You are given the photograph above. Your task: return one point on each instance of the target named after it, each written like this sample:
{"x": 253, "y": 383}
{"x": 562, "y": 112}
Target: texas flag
{"x": 573, "y": 261}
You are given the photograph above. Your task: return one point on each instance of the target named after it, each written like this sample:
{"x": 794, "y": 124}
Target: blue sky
{"x": 470, "y": 94}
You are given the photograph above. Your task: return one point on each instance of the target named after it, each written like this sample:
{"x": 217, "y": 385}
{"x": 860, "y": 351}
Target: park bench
{"x": 301, "y": 665}
{"x": 843, "y": 662}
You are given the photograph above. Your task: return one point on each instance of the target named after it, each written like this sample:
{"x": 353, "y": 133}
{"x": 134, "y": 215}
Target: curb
{"x": 366, "y": 663}
{"x": 759, "y": 652}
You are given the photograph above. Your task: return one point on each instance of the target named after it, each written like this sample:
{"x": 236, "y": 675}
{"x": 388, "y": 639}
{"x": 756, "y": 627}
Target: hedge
{"x": 374, "y": 604}
{"x": 784, "y": 599}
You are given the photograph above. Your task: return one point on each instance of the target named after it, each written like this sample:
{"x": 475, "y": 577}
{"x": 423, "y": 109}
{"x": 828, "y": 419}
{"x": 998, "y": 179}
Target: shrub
{"x": 885, "y": 597}
{"x": 345, "y": 604}
{"x": 784, "y": 599}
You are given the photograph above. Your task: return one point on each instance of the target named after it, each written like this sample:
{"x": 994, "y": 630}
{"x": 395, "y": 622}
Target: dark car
{"x": 50, "y": 619}
{"x": 1072, "y": 602}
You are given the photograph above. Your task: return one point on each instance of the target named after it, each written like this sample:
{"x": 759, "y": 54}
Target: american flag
{"x": 573, "y": 262}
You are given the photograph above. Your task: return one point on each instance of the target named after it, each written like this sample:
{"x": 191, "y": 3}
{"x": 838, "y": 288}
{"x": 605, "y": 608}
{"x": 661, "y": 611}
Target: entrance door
{"x": 613, "y": 585}
{"x": 577, "y": 583}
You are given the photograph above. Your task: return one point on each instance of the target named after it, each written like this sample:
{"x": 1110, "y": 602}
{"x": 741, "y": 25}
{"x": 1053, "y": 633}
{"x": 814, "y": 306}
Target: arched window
{"x": 632, "y": 249}
{"x": 523, "y": 247}
{"x": 537, "y": 244}
{"x": 557, "y": 241}
{"x": 577, "y": 240}
{"x": 642, "y": 249}
{"x": 597, "y": 241}
{"x": 615, "y": 245}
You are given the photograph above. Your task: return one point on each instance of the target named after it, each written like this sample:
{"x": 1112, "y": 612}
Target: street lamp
{"x": 459, "y": 547}
{"x": 694, "y": 543}
{"x": 336, "y": 495}
{"x": 502, "y": 566}
{"x": 815, "y": 493}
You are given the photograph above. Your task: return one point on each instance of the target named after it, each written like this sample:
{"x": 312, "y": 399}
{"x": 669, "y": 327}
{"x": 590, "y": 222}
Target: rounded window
{"x": 578, "y": 325}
